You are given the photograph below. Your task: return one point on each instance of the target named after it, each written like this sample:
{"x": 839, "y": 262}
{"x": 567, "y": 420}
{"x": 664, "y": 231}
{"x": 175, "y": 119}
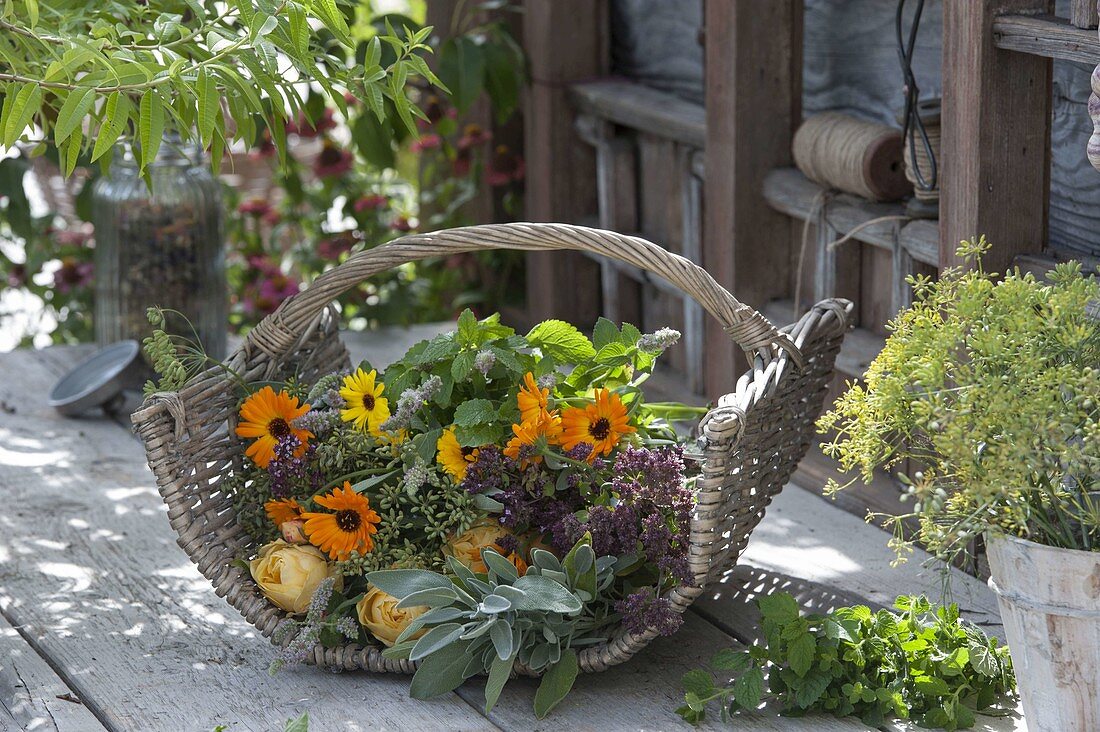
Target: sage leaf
{"x": 556, "y": 683}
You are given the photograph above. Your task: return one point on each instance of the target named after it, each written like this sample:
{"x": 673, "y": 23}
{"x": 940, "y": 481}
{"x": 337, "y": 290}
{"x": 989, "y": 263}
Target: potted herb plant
{"x": 990, "y": 391}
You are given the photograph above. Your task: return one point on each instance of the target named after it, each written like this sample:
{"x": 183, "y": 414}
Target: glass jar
{"x": 164, "y": 248}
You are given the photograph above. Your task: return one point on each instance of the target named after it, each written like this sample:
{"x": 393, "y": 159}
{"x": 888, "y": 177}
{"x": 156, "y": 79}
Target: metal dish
{"x": 97, "y": 381}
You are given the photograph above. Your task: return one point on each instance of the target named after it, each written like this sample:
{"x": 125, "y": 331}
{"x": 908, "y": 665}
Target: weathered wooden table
{"x": 107, "y": 625}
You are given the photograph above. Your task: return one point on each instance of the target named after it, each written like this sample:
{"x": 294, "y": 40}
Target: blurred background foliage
{"x": 350, "y": 182}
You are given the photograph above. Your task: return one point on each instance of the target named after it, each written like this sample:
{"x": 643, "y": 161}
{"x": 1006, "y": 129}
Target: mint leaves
{"x": 920, "y": 663}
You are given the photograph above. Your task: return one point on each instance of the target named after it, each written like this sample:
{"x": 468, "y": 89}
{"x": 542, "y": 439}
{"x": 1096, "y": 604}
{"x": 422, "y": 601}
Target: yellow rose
{"x": 467, "y": 546}
{"x": 378, "y": 613}
{"x": 289, "y": 574}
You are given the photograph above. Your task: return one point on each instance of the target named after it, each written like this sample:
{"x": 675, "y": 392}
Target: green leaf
{"x": 499, "y": 672}
{"x": 150, "y": 125}
{"x": 983, "y": 660}
{"x": 503, "y": 78}
{"x": 779, "y": 608}
{"x": 374, "y": 139}
{"x": 299, "y": 724}
{"x": 25, "y": 104}
{"x": 800, "y": 653}
{"x": 403, "y": 582}
{"x": 500, "y": 633}
{"x": 32, "y": 12}
{"x": 731, "y": 661}
{"x": 475, "y": 412}
{"x": 462, "y": 365}
{"x": 72, "y": 113}
{"x": 69, "y": 152}
{"x": 435, "y": 640}
{"x": 499, "y": 566}
{"x": 556, "y": 683}
{"x": 699, "y": 682}
{"x": 603, "y": 333}
{"x": 440, "y": 672}
{"x": 209, "y": 106}
{"x": 333, "y": 19}
{"x": 562, "y": 341}
{"x": 748, "y": 688}
{"x": 433, "y": 597}
{"x": 116, "y": 114}
{"x": 462, "y": 70}
{"x": 545, "y": 595}
{"x": 811, "y": 689}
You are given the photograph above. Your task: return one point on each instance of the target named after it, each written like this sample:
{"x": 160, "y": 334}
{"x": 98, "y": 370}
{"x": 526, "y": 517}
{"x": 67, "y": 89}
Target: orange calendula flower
{"x": 601, "y": 424}
{"x": 348, "y": 529}
{"x": 269, "y": 417}
{"x": 454, "y": 458}
{"x": 532, "y": 400}
{"x": 282, "y": 510}
{"x": 366, "y": 407}
{"x": 545, "y": 424}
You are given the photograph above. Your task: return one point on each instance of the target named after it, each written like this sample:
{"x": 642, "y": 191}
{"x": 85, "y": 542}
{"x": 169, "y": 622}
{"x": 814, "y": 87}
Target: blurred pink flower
{"x": 17, "y": 275}
{"x": 504, "y": 167}
{"x": 370, "y": 202}
{"x": 304, "y": 128}
{"x": 254, "y": 207}
{"x": 77, "y": 236}
{"x": 332, "y": 162}
{"x": 429, "y": 141}
{"x": 461, "y": 165}
{"x": 333, "y": 247}
{"x": 472, "y": 136}
{"x": 72, "y": 274}
{"x": 269, "y": 288}
{"x": 401, "y": 223}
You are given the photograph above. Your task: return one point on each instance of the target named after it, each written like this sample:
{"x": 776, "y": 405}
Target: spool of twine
{"x": 853, "y": 155}
{"x": 929, "y": 111}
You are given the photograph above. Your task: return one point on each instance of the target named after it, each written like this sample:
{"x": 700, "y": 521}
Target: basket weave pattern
{"x": 754, "y": 437}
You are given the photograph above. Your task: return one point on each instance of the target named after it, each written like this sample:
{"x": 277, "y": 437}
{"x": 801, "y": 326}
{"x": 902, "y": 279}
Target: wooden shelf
{"x": 790, "y": 192}
{"x": 643, "y": 108}
{"x": 1046, "y": 35}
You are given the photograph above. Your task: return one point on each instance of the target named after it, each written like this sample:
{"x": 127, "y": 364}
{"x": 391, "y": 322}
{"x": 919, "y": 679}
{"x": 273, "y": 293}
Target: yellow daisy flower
{"x": 454, "y": 458}
{"x": 600, "y": 424}
{"x": 366, "y": 407}
{"x": 282, "y": 510}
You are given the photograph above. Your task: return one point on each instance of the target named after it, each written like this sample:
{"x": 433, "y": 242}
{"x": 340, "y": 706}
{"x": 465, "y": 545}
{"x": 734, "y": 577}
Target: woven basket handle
{"x": 749, "y": 329}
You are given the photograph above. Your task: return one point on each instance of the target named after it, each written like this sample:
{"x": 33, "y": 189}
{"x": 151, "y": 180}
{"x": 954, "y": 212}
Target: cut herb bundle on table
{"x": 920, "y": 663}
{"x": 490, "y": 503}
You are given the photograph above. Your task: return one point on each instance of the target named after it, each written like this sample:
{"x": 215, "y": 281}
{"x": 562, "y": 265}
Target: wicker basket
{"x": 754, "y": 437}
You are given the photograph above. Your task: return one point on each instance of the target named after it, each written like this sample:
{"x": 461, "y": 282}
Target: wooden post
{"x": 1083, "y": 13}
{"x": 996, "y": 136}
{"x": 566, "y": 41}
{"x": 753, "y": 80}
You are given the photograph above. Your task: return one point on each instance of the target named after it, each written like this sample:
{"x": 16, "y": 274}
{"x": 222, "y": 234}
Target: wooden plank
{"x": 92, "y": 572}
{"x": 1048, "y": 36}
{"x": 643, "y": 108}
{"x": 1083, "y": 13}
{"x": 787, "y": 190}
{"x": 32, "y": 696}
{"x": 996, "y": 136}
{"x": 565, "y": 41}
{"x": 808, "y": 537}
{"x": 753, "y": 59}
